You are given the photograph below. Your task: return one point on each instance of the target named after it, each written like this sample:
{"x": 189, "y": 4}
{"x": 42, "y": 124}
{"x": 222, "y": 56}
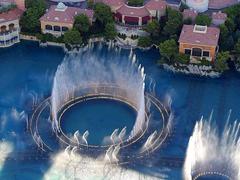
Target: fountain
{"x": 122, "y": 134}
{"x": 108, "y": 155}
{"x": 150, "y": 141}
{"x": 208, "y": 153}
{"x": 85, "y": 136}
{"x": 119, "y": 80}
{"x": 76, "y": 137}
{"x": 114, "y": 136}
{"x": 115, "y": 153}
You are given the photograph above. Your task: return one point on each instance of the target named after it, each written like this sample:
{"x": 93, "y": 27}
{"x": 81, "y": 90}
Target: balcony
{"x": 8, "y": 38}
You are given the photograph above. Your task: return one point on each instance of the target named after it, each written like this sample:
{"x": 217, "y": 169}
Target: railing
{"x": 130, "y": 30}
{"x": 9, "y": 38}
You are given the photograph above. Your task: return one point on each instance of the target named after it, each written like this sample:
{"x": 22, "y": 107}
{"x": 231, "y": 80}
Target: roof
{"x": 156, "y": 5}
{"x": 10, "y": 15}
{"x": 112, "y": 3}
{"x": 219, "y": 15}
{"x": 64, "y": 14}
{"x": 133, "y": 11}
{"x": 189, "y": 13}
{"x": 208, "y": 38}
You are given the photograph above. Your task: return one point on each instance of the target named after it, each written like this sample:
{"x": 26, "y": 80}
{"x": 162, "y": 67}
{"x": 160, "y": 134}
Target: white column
{"x": 140, "y": 21}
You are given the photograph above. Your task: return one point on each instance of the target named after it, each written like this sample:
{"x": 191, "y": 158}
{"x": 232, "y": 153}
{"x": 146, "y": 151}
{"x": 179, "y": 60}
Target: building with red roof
{"x": 218, "y": 18}
{"x": 59, "y": 19}
{"x": 157, "y": 8}
{"x": 199, "y": 41}
{"x": 133, "y": 15}
{"x": 190, "y": 14}
{"x": 137, "y": 16}
{"x": 9, "y": 21}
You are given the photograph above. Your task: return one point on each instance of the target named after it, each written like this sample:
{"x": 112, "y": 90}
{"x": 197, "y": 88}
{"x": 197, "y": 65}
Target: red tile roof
{"x": 156, "y": 5}
{"x": 189, "y": 13}
{"x": 219, "y": 15}
{"x": 209, "y": 38}
{"x": 10, "y": 15}
{"x": 133, "y": 11}
{"x": 65, "y": 16}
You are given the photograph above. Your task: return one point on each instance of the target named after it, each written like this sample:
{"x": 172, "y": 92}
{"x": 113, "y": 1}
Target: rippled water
{"x": 26, "y": 74}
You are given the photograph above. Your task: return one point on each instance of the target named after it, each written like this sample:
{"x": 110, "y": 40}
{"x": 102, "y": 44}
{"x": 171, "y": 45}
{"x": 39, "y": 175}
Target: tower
{"x": 20, "y": 4}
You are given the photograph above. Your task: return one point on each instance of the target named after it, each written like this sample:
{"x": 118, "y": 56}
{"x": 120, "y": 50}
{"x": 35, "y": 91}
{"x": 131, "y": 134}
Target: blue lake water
{"x": 27, "y": 70}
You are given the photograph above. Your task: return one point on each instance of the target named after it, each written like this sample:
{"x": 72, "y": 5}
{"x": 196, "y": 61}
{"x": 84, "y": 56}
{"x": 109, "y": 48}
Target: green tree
{"x": 169, "y": 49}
{"x": 103, "y": 13}
{"x": 82, "y": 23}
{"x": 174, "y": 22}
{"x": 183, "y": 58}
{"x": 135, "y": 2}
{"x": 30, "y": 20}
{"x": 203, "y": 20}
{"x": 221, "y": 61}
{"x": 90, "y": 4}
{"x": 72, "y": 37}
{"x": 237, "y": 47}
{"x": 153, "y": 28}
{"x": 144, "y": 41}
{"x": 110, "y": 31}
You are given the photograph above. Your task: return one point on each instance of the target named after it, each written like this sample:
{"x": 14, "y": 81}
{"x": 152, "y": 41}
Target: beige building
{"x": 199, "y": 42}
{"x": 59, "y": 19}
{"x": 9, "y": 22}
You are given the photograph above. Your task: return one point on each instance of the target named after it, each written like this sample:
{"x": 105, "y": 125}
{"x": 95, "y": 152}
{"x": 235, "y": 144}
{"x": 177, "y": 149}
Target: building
{"x": 139, "y": 16}
{"x": 218, "y": 18}
{"x": 190, "y": 14}
{"x": 199, "y": 42}
{"x": 129, "y": 15}
{"x": 59, "y": 19}
{"x": 9, "y": 21}
{"x": 204, "y": 5}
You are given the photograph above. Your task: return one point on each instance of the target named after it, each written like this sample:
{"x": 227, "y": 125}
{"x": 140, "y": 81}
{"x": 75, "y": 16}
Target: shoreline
{"x": 187, "y": 69}
{"x": 193, "y": 69}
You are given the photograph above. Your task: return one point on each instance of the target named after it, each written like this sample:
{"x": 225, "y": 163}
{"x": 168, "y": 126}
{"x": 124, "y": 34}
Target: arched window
{"x": 3, "y": 28}
{"x": 56, "y": 28}
{"x": 197, "y": 52}
{"x": 48, "y": 27}
{"x": 11, "y": 26}
{"x": 64, "y": 28}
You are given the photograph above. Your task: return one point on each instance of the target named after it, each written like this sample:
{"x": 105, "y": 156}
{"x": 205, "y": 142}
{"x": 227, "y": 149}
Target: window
{"x": 11, "y": 26}
{"x": 48, "y": 27}
{"x": 197, "y": 52}
{"x": 57, "y": 28}
{"x": 64, "y": 28}
{"x": 188, "y": 51}
{"x": 206, "y": 53}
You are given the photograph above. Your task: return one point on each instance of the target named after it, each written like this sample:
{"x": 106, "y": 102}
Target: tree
{"x": 221, "y": 61}
{"x": 169, "y": 49}
{"x": 72, "y": 37}
{"x": 110, "y": 31}
{"x": 237, "y": 47}
{"x": 203, "y": 20}
{"x": 135, "y": 2}
{"x": 183, "y": 58}
{"x": 82, "y": 23}
{"x": 30, "y": 19}
{"x": 153, "y": 28}
{"x": 144, "y": 41}
{"x": 90, "y": 4}
{"x": 103, "y": 13}
{"x": 174, "y": 22}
